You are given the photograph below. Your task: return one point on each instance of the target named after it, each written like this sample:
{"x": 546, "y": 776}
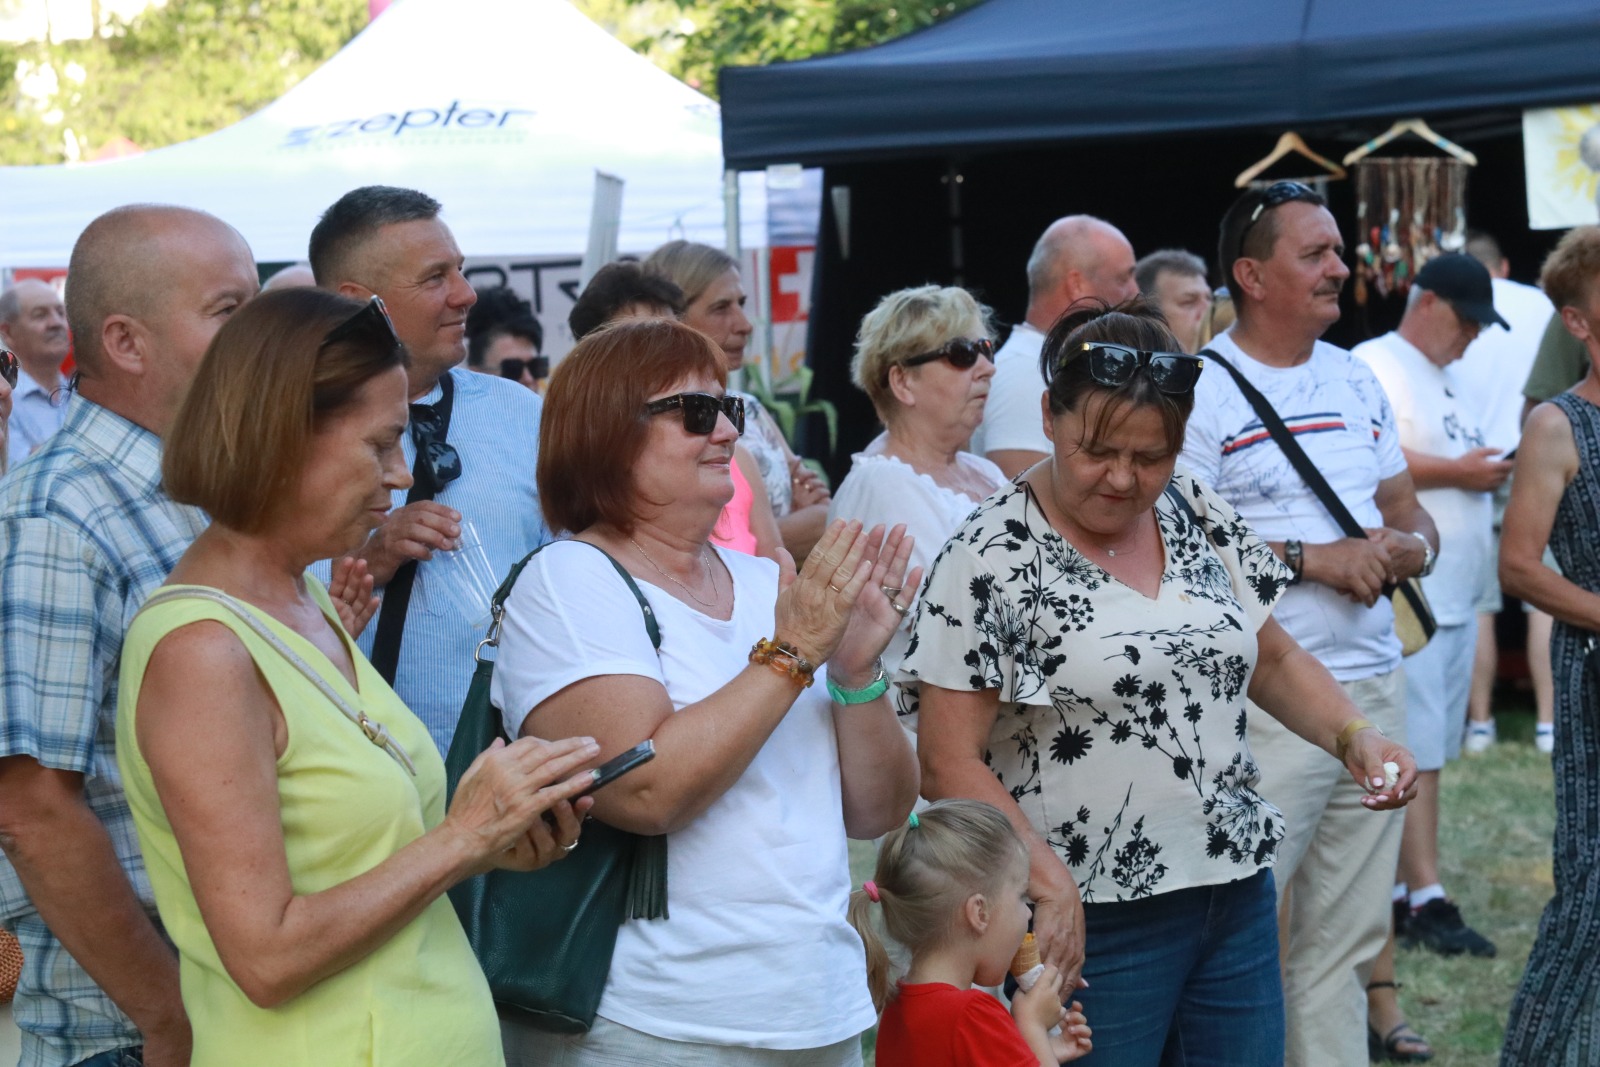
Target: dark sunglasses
{"x": 1276, "y": 195}
{"x": 1113, "y": 365}
{"x": 960, "y": 353}
{"x": 700, "y": 410}
{"x": 440, "y": 461}
{"x": 9, "y": 368}
{"x": 538, "y": 368}
{"x": 373, "y": 320}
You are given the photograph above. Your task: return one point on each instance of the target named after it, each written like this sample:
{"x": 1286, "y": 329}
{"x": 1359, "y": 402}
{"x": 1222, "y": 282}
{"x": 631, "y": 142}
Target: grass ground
{"x": 1495, "y": 851}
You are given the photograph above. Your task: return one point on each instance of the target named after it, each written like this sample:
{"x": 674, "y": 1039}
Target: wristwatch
{"x": 1294, "y": 557}
{"x": 1429, "y": 556}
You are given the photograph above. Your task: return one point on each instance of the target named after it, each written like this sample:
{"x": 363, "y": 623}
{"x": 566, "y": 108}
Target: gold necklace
{"x": 709, "y": 574}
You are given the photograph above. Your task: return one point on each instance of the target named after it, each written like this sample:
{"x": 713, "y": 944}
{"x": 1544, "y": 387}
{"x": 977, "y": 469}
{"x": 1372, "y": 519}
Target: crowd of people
{"x": 1095, "y": 639}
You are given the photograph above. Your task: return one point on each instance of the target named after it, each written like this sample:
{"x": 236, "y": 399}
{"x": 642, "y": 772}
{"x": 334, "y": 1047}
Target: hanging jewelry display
{"x": 1408, "y": 210}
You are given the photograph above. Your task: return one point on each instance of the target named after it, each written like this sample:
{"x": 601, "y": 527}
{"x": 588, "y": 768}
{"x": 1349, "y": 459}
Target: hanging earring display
{"x": 1408, "y": 210}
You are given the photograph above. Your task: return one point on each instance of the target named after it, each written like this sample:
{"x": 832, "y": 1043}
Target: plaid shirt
{"x": 85, "y": 534}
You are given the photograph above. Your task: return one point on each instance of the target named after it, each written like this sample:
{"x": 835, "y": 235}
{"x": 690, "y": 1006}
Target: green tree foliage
{"x": 172, "y": 73}
{"x": 695, "y": 38}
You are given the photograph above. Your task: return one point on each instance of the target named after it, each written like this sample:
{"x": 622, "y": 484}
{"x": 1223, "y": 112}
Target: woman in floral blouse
{"x": 1083, "y": 650}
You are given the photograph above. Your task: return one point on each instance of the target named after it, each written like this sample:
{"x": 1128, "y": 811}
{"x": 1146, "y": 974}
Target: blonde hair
{"x": 690, "y": 266}
{"x": 926, "y": 870}
{"x": 909, "y": 323}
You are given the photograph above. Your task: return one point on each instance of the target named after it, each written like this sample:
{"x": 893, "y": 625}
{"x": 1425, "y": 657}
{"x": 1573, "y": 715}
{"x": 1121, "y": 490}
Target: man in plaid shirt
{"x": 86, "y": 533}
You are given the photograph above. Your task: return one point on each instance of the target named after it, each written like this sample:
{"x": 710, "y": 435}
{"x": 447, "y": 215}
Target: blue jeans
{"x": 117, "y": 1057}
{"x": 1186, "y": 979}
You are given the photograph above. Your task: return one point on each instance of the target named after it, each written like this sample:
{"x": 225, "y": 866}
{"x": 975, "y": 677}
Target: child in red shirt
{"x": 953, "y": 885}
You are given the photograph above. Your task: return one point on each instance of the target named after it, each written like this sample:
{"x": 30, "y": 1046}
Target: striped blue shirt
{"x": 85, "y": 534}
{"x": 494, "y": 427}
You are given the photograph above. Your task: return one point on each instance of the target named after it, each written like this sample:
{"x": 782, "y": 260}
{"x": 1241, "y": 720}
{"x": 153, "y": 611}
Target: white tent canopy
{"x": 501, "y": 109}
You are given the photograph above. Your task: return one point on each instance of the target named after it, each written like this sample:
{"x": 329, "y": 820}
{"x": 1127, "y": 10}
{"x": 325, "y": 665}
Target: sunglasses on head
{"x": 9, "y": 368}
{"x": 960, "y": 353}
{"x": 372, "y": 319}
{"x": 700, "y": 410}
{"x": 1113, "y": 365}
{"x": 1276, "y": 195}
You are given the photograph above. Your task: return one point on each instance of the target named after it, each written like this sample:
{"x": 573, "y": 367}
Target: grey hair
{"x": 353, "y": 218}
{"x": 1171, "y": 260}
{"x": 10, "y": 305}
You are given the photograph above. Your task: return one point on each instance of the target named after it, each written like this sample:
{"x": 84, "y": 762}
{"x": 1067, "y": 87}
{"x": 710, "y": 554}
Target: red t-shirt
{"x": 938, "y": 1025}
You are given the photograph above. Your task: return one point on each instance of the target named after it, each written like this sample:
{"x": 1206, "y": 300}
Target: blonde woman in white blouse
{"x": 925, "y": 358}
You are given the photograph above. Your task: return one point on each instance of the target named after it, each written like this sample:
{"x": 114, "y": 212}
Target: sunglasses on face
{"x": 1276, "y": 195}
{"x": 538, "y": 368}
{"x": 960, "y": 353}
{"x": 700, "y": 410}
{"x": 1113, "y": 365}
{"x": 372, "y": 320}
{"x": 9, "y": 369}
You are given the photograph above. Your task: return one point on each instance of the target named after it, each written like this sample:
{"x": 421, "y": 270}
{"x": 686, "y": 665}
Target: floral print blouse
{"x": 1121, "y": 726}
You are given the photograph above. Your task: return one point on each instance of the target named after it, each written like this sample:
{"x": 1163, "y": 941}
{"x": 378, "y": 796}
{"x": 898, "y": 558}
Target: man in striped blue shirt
{"x": 86, "y": 533}
{"x": 480, "y": 441}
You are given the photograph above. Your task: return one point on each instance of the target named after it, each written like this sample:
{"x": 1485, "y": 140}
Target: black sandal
{"x": 1386, "y": 1048}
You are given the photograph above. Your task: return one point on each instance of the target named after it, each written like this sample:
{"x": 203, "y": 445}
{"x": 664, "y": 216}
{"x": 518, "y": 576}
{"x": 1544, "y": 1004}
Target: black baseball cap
{"x": 1465, "y": 283}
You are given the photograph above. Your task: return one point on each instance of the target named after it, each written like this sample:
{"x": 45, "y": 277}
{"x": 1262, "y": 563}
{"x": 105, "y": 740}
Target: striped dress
{"x": 1554, "y": 1018}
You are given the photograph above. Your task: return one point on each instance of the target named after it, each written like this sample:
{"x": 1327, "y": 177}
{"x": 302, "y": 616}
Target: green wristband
{"x": 866, "y": 694}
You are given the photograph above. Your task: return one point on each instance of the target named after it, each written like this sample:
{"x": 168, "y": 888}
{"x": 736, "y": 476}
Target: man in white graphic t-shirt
{"x": 1281, "y": 252}
{"x": 1076, "y": 257}
{"x": 1442, "y": 437}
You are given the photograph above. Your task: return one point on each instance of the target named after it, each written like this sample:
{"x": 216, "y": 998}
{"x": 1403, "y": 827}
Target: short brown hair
{"x": 239, "y": 444}
{"x": 689, "y": 265}
{"x": 1570, "y": 271}
{"x": 595, "y": 428}
{"x": 1137, "y": 323}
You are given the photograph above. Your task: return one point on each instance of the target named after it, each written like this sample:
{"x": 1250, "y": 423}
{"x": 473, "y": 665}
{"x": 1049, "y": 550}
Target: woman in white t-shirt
{"x": 759, "y": 777}
{"x": 925, "y": 358}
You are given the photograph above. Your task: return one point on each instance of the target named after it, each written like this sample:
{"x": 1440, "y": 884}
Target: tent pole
{"x": 730, "y": 211}
{"x": 953, "y": 179}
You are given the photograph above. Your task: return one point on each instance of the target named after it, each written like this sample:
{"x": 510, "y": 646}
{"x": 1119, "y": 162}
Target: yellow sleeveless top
{"x": 346, "y": 806}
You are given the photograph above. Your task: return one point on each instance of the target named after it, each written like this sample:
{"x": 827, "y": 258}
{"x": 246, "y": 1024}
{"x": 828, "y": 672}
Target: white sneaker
{"x": 1544, "y": 738}
{"x": 1480, "y": 735}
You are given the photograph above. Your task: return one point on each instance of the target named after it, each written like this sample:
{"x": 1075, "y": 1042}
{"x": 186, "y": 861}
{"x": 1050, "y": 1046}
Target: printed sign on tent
{"x": 1561, "y": 153}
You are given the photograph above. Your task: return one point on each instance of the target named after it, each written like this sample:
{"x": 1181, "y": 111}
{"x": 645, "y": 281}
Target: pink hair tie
{"x": 871, "y": 888}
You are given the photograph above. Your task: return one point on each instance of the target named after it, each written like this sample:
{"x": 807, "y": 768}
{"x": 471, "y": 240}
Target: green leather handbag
{"x": 545, "y": 937}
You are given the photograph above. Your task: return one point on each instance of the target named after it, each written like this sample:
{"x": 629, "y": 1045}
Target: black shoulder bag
{"x": 1413, "y": 618}
{"x": 545, "y": 937}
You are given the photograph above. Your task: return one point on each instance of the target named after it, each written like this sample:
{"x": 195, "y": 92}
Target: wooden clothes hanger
{"x": 1289, "y": 142}
{"x": 1422, "y": 130}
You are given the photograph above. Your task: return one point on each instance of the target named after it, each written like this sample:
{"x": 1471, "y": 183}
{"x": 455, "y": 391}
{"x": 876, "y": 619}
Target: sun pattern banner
{"x": 1561, "y": 154}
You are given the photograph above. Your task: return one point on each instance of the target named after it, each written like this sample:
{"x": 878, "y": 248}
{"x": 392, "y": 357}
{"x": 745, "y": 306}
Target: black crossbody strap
{"x": 1291, "y": 449}
{"x": 397, "y": 594}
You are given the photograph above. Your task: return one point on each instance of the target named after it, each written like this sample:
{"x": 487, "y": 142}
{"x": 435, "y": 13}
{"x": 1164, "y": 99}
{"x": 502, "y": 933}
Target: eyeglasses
{"x": 700, "y": 410}
{"x": 439, "y": 459}
{"x": 9, "y": 369}
{"x": 1276, "y": 195}
{"x": 538, "y": 368}
{"x": 960, "y": 353}
{"x": 373, "y": 318}
{"x": 1173, "y": 373}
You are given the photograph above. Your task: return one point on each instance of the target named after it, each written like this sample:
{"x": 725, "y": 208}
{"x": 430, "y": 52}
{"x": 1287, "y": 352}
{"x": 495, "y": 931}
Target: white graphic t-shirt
{"x": 1434, "y": 416}
{"x": 1339, "y": 414}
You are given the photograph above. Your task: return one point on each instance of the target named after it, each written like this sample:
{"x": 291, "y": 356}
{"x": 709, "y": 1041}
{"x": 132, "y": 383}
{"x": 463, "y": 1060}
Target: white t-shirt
{"x": 1496, "y": 365}
{"x": 1011, "y": 416}
{"x": 1434, "y": 417}
{"x": 757, "y": 886}
{"x": 1338, "y": 413}
{"x": 884, "y": 489}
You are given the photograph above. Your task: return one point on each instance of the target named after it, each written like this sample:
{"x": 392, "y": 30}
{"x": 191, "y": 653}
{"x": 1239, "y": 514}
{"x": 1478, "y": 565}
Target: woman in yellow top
{"x": 300, "y": 850}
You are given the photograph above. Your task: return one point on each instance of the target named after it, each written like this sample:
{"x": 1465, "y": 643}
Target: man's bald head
{"x": 1076, "y": 257}
{"x": 117, "y": 264}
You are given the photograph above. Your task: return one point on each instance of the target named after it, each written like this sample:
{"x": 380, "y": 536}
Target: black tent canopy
{"x": 1011, "y": 73}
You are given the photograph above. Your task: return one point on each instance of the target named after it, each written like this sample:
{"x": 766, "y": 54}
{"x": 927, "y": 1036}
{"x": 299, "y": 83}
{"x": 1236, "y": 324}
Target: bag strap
{"x": 497, "y": 603}
{"x": 1291, "y": 450}
{"x": 397, "y": 594}
{"x": 373, "y": 729}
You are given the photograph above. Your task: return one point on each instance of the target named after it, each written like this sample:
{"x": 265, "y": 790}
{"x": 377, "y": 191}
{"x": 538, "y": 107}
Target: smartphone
{"x": 1509, "y": 456}
{"x": 615, "y": 768}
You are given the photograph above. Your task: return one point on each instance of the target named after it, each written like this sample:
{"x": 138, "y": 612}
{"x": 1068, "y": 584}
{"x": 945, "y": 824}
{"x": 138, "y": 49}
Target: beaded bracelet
{"x": 772, "y": 653}
{"x": 867, "y": 693}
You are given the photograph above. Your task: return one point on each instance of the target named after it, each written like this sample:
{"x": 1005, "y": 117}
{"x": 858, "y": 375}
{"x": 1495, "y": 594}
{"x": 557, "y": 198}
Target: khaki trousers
{"x": 1335, "y": 871}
